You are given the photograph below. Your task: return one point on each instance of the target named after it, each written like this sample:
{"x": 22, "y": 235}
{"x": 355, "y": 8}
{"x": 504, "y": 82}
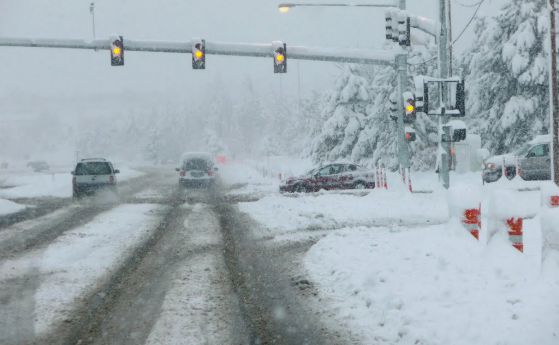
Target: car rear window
{"x": 93, "y": 168}
{"x": 197, "y": 164}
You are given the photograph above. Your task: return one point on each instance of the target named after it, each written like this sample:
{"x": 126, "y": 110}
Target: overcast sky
{"x": 36, "y": 76}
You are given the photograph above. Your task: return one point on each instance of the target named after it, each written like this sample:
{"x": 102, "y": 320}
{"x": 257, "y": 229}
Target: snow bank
{"x": 549, "y": 217}
{"x": 252, "y": 178}
{"x": 463, "y": 197}
{"x": 435, "y": 285}
{"x": 8, "y": 207}
{"x": 280, "y": 213}
{"x": 507, "y": 203}
{"x": 80, "y": 259}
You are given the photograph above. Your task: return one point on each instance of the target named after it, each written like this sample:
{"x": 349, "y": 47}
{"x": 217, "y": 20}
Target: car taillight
{"x": 111, "y": 179}
{"x": 183, "y": 173}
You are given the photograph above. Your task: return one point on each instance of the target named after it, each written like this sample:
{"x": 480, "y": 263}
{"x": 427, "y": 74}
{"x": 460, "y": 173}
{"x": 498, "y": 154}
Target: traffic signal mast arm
{"x": 347, "y": 55}
{"x": 426, "y": 25}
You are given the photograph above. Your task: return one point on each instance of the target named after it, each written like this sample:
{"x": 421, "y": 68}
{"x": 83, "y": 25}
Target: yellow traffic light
{"x": 280, "y": 58}
{"x": 410, "y": 108}
{"x": 198, "y": 54}
{"x": 117, "y": 51}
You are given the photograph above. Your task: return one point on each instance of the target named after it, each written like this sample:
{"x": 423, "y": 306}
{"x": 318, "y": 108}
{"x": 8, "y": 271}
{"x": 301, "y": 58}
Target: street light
{"x": 285, "y": 7}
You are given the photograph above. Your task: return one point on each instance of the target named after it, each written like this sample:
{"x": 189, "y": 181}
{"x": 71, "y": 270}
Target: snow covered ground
{"x": 399, "y": 268}
{"x": 437, "y": 285}
{"x": 260, "y": 178}
{"x": 7, "y": 207}
{"x": 33, "y": 185}
{"x": 331, "y": 210}
{"x": 76, "y": 262}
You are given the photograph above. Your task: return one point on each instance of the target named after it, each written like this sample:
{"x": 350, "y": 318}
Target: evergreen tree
{"x": 506, "y": 75}
{"x": 356, "y": 117}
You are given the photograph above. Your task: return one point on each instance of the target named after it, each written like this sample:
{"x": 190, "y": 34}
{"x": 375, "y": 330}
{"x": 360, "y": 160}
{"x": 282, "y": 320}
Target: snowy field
{"x": 399, "y": 267}
{"x": 34, "y": 185}
{"x": 7, "y": 207}
{"x": 260, "y": 178}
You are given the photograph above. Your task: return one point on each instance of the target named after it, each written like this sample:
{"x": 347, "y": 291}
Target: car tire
{"x": 360, "y": 185}
{"x": 510, "y": 172}
{"x": 301, "y": 188}
{"x": 76, "y": 196}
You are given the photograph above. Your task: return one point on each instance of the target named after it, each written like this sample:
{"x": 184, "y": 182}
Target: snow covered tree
{"x": 356, "y": 117}
{"x": 507, "y": 75}
{"x": 345, "y": 114}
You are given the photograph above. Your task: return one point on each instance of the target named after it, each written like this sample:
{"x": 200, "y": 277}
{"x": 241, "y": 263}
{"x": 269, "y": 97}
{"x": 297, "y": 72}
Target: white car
{"x": 197, "y": 169}
{"x": 93, "y": 174}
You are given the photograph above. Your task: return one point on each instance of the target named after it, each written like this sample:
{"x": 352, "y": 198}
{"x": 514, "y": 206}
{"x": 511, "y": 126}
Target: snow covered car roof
{"x": 199, "y": 155}
{"x": 540, "y": 139}
{"x": 511, "y": 158}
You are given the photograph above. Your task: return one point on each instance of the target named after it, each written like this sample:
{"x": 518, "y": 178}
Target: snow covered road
{"x": 242, "y": 264}
{"x": 158, "y": 267}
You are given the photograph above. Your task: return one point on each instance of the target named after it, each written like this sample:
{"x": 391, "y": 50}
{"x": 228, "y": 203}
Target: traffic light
{"x": 459, "y": 134}
{"x": 461, "y": 97}
{"x": 393, "y": 107}
{"x": 117, "y": 51}
{"x": 458, "y": 130}
{"x": 388, "y": 18}
{"x": 404, "y": 30}
{"x": 199, "y": 54}
{"x": 410, "y": 110}
{"x": 410, "y": 134}
{"x": 280, "y": 57}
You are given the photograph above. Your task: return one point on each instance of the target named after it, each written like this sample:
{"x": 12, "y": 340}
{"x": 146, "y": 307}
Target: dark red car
{"x": 329, "y": 177}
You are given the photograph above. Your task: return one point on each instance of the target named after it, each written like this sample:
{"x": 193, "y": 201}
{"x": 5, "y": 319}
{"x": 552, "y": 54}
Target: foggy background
{"x": 54, "y": 102}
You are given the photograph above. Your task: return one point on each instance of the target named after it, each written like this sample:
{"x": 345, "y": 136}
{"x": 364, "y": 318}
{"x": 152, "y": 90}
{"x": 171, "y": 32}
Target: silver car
{"x": 91, "y": 175}
{"x": 533, "y": 160}
{"x": 197, "y": 170}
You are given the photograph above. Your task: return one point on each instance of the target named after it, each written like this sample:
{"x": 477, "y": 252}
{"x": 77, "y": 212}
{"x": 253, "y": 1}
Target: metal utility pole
{"x": 92, "y": 11}
{"x": 444, "y": 148}
{"x": 403, "y": 150}
{"x": 402, "y": 70}
{"x": 554, "y": 97}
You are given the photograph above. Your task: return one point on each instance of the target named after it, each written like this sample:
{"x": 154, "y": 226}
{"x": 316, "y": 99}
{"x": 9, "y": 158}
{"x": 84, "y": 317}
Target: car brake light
{"x": 183, "y": 173}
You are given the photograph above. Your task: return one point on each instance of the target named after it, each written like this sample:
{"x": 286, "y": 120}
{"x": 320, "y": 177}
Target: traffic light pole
{"x": 444, "y": 147}
{"x": 403, "y": 149}
{"x": 402, "y": 70}
{"x": 359, "y": 56}
{"x": 553, "y": 89}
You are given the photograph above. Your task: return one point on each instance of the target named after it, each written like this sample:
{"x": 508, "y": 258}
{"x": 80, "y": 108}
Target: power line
{"x": 478, "y": 4}
{"x": 423, "y": 62}
{"x": 470, "y": 21}
{"x": 468, "y": 5}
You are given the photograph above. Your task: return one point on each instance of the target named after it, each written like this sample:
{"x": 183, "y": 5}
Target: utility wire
{"x": 423, "y": 62}
{"x": 478, "y": 4}
{"x": 468, "y": 5}
{"x": 470, "y": 21}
